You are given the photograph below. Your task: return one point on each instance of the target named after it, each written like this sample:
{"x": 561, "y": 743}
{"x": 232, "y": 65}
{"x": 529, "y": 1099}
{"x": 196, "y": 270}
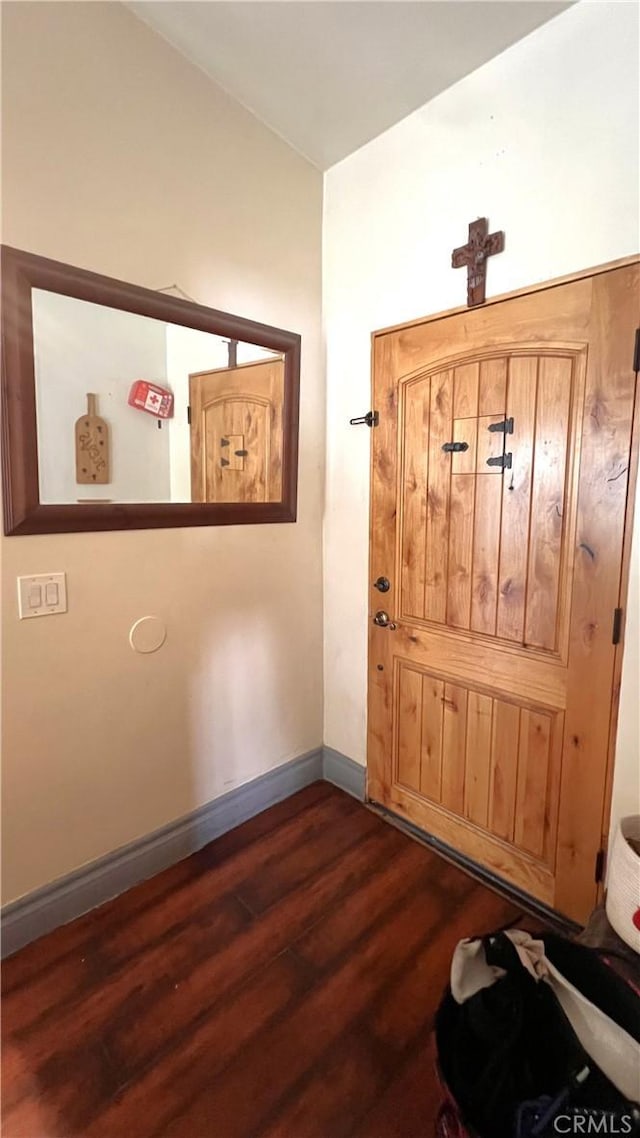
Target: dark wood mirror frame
{"x": 23, "y": 512}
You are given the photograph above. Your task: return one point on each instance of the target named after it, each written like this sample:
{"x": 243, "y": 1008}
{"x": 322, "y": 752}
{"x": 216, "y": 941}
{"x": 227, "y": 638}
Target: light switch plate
{"x": 42, "y": 595}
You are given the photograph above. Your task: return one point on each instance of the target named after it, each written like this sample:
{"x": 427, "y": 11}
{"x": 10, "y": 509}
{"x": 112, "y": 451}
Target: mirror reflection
{"x": 133, "y": 409}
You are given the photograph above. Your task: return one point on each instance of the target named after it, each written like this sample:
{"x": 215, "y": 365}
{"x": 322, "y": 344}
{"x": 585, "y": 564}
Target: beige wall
{"x": 121, "y": 157}
{"x": 543, "y": 140}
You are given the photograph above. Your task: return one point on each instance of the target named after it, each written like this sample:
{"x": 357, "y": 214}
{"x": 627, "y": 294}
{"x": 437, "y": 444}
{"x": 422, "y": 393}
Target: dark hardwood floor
{"x": 281, "y": 983}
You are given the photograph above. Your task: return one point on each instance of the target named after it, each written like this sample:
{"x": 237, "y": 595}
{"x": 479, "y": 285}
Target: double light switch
{"x": 42, "y": 595}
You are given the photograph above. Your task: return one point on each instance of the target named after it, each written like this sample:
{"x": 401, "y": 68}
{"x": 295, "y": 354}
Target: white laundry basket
{"x": 623, "y": 887}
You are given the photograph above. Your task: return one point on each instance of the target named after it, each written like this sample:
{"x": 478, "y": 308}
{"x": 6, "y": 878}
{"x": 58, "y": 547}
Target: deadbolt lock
{"x": 382, "y": 584}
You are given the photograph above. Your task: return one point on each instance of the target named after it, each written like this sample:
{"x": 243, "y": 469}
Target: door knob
{"x": 383, "y": 620}
{"x": 382, "y": 584}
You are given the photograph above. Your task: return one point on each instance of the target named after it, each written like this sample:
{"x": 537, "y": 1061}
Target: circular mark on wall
{"x": 147, "y": 634}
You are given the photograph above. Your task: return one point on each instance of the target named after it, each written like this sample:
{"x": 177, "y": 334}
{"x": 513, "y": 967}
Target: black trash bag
{"x": 587, "y": 969}
{"x": 511, "y": 1059}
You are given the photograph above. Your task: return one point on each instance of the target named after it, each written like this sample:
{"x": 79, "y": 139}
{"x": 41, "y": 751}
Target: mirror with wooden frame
{"x": 129, "y": 408}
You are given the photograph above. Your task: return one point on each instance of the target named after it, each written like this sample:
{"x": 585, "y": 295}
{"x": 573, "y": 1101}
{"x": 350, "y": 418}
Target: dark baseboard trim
{"x": 343, "y": 772}
{"x": 529, "y": 904}
{"x": 68, "y": 897}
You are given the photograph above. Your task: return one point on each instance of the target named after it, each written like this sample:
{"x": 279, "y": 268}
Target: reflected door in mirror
{"x": 236, "y": 433}
{"x": 197, "y": 409}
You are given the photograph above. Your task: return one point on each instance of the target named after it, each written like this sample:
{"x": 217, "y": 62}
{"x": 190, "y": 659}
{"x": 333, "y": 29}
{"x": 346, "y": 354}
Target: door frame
{"x": 623, "y": 588}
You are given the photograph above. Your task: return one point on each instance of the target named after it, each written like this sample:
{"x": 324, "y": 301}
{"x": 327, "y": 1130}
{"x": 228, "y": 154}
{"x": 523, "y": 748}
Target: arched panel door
{"x": 500, "y": 472}
{"x": 236, "y": 433}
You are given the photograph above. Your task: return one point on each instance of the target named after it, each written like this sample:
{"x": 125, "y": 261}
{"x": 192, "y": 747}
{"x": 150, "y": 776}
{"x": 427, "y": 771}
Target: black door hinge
{"x": 599, "y": 869}
{"x": 506, "y": 426}
{"x": 636, "y": 352}
{"x": 188, "y": 415}
{"x": 501, "y": 460}
{"x": 616, "y": 631}
{"x": 371, "y": 419}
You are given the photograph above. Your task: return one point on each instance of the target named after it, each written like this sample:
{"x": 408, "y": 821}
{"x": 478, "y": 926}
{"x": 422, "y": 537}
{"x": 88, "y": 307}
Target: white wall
{"x": 626, "y": 783}
{"x": 188, "y": 350}
{"x": 121, "y": 157}
{"x": 543, "y": 141}
{"x": 81, "y": 347}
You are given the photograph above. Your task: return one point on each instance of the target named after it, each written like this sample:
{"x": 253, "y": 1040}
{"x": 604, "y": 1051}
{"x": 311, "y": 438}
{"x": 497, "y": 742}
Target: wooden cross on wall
{"x": 481, "y": 245}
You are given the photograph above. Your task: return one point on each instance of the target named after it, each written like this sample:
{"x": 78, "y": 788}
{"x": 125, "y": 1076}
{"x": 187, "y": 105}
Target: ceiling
{"x": 329, "y": 76}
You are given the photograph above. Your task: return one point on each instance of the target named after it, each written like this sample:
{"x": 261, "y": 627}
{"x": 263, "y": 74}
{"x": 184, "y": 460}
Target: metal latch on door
{"x": 383, "y": 620}
{"x": 371, "y": 419}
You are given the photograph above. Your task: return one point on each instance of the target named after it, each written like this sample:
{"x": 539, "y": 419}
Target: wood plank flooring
{"x": 281, "y": 983}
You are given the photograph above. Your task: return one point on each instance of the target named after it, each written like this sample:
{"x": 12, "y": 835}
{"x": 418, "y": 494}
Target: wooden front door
{"x": 500, "y": 478}
{"x": 236, "y": 433}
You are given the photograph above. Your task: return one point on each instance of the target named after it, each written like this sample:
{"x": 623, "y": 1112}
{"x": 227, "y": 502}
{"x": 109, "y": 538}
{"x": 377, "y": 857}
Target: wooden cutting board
{"x": 92, "y": 447}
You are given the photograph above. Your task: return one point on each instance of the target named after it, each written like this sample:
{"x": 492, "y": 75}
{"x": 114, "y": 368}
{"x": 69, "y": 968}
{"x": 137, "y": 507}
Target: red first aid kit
{"x": 149, "y": 397}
